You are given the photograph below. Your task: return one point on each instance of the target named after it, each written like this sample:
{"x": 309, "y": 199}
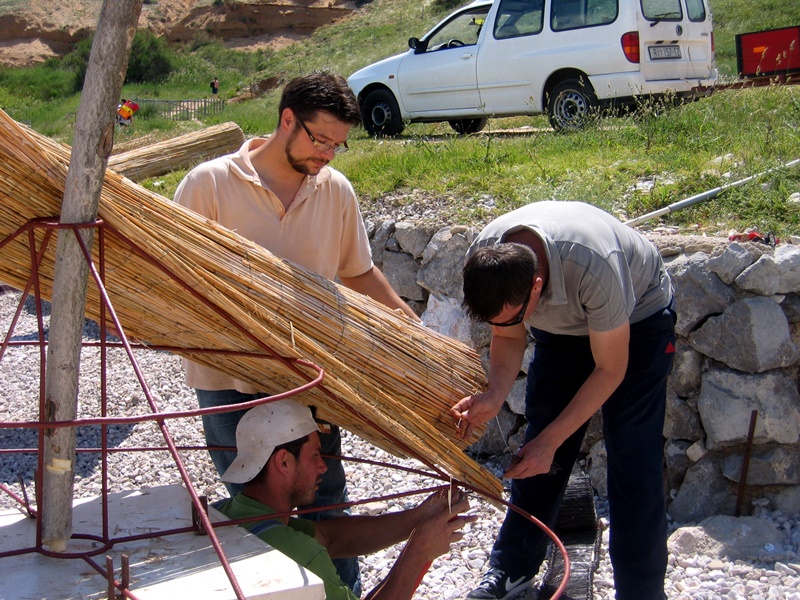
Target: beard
{"x": 305, "y": 166}
{"x": 303, "y": 497}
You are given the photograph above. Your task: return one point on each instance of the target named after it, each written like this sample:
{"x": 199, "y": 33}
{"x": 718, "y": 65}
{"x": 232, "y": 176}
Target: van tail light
{"x": 712, "y": 42}
{"x": 630, "y": 46}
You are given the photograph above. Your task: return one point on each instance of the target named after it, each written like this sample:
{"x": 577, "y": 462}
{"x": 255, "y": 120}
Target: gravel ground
{"x": 450, "y": 577}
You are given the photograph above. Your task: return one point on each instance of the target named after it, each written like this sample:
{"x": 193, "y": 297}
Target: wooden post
{"x": 94, "y": 136}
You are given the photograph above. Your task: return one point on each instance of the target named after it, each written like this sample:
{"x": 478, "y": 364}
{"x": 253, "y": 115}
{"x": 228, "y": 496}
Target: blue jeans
{"x": 633, "y": 421}
{"x": 220, "y": 430}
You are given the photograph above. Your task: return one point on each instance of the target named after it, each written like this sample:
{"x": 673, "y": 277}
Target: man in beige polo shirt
{"x": 280, "y": 193}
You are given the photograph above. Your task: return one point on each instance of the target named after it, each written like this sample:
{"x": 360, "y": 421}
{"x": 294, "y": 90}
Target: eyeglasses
{"x": 520, "y": 315}
{"x": 337, "y": 148}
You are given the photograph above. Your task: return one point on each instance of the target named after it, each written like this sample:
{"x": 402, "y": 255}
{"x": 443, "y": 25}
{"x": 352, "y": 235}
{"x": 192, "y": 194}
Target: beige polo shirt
{"x": 322, "y": 231}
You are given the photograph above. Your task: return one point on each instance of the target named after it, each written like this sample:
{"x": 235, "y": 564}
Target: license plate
{"x": 660, "y": 52}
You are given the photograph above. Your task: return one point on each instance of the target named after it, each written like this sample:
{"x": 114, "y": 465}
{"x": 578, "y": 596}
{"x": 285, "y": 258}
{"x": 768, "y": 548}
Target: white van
{"x": 524, "y": 57}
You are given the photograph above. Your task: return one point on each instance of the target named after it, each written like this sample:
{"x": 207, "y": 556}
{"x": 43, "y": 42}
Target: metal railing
{"x": 181, "y": 110}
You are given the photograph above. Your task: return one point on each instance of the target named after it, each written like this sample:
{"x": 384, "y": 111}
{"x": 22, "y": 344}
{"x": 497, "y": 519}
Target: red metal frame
{"x": 107, "y": 313}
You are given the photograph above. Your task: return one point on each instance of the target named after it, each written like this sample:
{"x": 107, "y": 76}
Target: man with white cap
{"x": 280, "y": 464}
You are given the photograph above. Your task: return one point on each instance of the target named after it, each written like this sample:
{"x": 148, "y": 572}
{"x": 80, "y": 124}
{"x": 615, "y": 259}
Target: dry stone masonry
{"x": 738, "y": 351}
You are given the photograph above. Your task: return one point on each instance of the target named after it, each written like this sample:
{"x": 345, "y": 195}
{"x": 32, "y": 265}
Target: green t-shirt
{"x": 295, "y": 540}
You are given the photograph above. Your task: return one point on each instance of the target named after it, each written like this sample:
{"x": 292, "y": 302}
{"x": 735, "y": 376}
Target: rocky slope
{"x": 32, "y": 31}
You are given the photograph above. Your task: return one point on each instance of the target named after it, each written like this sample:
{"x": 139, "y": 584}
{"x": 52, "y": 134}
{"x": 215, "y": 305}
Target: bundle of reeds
{"x": 387, "y": 379}
{"x": 179, "y": 152}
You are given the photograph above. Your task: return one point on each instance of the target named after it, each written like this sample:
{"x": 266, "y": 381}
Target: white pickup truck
{"x": 525, "y": 57}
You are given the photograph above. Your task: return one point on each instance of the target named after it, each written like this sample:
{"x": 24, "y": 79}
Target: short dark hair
{"x": 308, "y": 95}
{"x": 294, "y": 447}
{"x": 497, "y": 276}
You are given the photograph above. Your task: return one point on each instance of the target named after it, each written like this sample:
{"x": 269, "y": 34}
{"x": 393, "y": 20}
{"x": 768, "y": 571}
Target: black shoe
{"x": 496, "y": 585}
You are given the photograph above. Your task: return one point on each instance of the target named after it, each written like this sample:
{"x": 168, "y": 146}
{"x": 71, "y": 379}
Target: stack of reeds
{"x": 387, "y": 379}
{"x": 179, "y": 152}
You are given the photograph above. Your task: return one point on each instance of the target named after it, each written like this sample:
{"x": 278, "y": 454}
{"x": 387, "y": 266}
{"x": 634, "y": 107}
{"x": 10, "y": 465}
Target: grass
{"x": 629, "y": 166}
{"x": 674, "y": 154}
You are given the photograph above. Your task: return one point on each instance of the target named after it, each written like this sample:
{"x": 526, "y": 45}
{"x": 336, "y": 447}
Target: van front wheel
{"x": 380, "y": 114}
{"x": 571, "y": 104}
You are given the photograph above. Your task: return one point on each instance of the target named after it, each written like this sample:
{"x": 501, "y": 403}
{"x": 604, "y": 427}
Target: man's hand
{"x": 534, "y": 458}
{"x": 472, "y": 411}
{"x": 443, "y": 499}
{"x": 434, "y": 535}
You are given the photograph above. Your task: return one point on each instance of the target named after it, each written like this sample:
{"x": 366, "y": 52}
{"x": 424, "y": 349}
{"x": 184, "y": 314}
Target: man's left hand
{"x": 534, "y": 458}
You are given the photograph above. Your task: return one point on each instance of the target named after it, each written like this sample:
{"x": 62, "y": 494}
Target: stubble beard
{"x": 303, "y": 497}
{"x": 298, "y": 164}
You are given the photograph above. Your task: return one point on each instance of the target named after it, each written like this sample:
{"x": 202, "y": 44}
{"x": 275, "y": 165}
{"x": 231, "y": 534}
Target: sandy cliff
{"x": 32, "y": 31}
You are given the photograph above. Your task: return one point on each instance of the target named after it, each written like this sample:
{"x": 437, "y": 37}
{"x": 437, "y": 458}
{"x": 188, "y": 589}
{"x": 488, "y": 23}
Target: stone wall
{"x": 738, "y": 333}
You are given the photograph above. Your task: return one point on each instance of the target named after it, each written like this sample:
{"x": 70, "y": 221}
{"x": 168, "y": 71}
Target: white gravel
{"x": 450, "y": 577}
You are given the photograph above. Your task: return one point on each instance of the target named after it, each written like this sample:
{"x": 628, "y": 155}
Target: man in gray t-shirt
{"x": 599, "y": 305}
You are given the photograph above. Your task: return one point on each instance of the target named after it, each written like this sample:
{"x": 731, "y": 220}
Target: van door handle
{"x": 466, "y": 56}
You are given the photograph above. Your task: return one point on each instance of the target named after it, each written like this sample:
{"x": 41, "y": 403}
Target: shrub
{"x": 150, "y": 61}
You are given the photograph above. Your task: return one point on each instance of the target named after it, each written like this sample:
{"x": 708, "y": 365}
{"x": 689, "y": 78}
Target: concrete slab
{"x": 161, "y": 568}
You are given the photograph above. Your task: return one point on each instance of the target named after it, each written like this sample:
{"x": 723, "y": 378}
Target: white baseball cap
{"x": 263, "y": 428}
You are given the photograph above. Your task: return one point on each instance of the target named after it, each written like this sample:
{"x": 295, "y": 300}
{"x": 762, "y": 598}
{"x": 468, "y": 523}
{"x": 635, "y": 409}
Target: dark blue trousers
{"x": 633, "y": 421}
{"x": 220, "y": 430}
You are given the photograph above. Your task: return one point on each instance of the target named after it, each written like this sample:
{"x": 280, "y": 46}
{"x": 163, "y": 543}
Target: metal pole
{"x": 748, "y": 448}
{"x": 704, "y": 196}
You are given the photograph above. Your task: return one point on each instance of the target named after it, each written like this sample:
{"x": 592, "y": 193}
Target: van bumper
{"x": 611, "y": 87}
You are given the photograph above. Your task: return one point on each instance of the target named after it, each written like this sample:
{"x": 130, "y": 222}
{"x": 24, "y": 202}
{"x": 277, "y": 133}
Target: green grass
{"x": 7, "y": 6}
{"x": 477, "y": 177}
{"x": 604, "y": 163}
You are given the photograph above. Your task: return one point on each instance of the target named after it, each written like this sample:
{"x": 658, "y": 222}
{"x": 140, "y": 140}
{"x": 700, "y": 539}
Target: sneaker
{"x": 496, "y": 585}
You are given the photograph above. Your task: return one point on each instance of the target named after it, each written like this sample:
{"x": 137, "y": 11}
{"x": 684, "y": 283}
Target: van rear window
{"x": 574, "y": 14}
{"x": 662, "y": 10}
{"x": 696, "y": 10}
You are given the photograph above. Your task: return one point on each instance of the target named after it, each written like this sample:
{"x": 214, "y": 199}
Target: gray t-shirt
{"x": 602, "y": 273}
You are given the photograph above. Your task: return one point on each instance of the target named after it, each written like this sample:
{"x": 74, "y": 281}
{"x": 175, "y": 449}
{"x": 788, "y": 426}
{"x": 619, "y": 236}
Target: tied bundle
{"x": 178, "y": 152}
{"x": 180, "y": 280}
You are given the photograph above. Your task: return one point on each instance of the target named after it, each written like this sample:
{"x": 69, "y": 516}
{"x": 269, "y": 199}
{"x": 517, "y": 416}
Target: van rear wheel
{"x": 465, "y": 126}
{"x": 380, "y": 114}
{"x": 571, "y": 104}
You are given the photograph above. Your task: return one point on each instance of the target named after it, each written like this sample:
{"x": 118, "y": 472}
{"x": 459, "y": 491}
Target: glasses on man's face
{"x": 520, "y": 315}
{"x": 337, "y": 148}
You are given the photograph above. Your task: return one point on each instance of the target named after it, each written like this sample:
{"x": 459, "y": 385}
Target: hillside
{"x": 31, "y": 31}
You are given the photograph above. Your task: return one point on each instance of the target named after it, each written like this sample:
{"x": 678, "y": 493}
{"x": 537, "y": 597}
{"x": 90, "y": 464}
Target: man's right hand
{"x": 472, "y": 411}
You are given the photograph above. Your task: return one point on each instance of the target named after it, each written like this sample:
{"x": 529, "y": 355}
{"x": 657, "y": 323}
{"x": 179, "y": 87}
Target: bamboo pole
{"x": 94, "y": 134}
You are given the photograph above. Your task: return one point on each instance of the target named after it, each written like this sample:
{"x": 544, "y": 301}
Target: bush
{"x": 447, "y": 4}
{"x": 150, "y": 60}
{"x": 76, "y": 62}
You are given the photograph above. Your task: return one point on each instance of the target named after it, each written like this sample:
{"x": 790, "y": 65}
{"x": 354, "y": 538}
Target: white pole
{"x": 704, "y": 196}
